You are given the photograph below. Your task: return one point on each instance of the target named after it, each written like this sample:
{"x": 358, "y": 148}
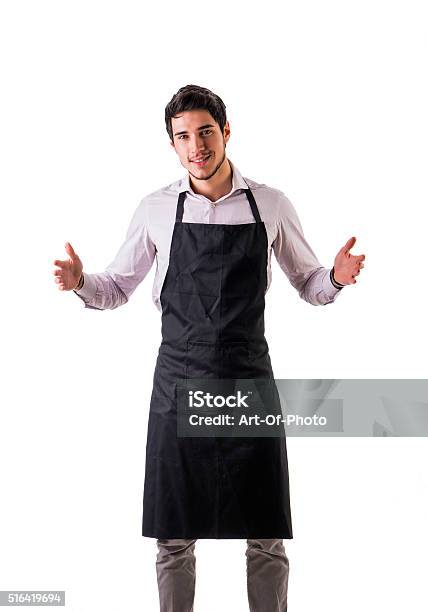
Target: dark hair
{"x": 192, "y": 97}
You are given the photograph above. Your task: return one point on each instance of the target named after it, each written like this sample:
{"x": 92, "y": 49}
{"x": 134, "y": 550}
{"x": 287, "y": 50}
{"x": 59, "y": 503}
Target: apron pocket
{"x": 217, "y": 360}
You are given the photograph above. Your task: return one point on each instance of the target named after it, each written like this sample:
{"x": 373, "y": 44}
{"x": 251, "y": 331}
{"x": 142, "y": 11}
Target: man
{"x": 211, "y": 234}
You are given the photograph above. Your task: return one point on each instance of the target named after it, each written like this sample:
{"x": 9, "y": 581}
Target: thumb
{"x": 348, "y": 246}
{"x": 70, "y": 251}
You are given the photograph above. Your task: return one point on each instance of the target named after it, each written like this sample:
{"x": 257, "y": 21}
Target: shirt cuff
{"x": 329, "y": 289}
{"x": 334, "y": 282}
{"x": 89, "y": 289}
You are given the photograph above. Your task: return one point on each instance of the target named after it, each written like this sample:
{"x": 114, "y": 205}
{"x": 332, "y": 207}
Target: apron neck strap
{"x": 253, "y": 205}
{"x": 180, "y": 207}
{"x": 248, "y": 193}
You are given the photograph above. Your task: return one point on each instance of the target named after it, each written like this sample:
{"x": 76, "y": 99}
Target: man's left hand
{"x": 347, "y": 266}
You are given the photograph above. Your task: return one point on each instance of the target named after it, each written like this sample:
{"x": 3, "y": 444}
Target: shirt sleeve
{"x": 114, "y": 286}
{"x": 297, "y": 259}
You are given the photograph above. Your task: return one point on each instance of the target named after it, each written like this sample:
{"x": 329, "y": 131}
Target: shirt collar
{"x": 238, "y": 181}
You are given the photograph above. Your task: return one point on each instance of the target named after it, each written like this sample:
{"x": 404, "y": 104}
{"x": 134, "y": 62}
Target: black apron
{"x": 213, "y": 301}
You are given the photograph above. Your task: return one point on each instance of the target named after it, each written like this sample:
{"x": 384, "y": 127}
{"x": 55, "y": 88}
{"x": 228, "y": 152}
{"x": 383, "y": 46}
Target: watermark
{"x": 32, "y": 598}
{"x": 244, "y": 408}
{"x": 246, "y": 420}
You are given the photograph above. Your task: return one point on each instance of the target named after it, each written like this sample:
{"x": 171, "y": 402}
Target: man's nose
{"x": 196, "y": 144}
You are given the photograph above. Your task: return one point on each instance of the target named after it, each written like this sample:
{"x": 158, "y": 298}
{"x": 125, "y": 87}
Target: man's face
{"x": 199, "y": 143}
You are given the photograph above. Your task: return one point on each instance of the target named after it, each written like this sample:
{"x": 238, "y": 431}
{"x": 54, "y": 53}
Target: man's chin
{"x": 202, "y": 172}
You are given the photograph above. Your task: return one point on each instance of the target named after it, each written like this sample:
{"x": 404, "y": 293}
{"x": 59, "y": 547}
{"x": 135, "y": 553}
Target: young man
{"x": 211, "y": 233}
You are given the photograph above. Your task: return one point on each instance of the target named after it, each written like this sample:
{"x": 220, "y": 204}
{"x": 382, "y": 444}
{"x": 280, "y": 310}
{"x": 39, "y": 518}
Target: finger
{"x": 348, "y": 246}
{"x": 361, "y": 266}
{"x": 61, "y": 263}
{"x": 57, "y": 272}
{"x": 357, "y": 258}
{"x": 70, "y": 251}
{"x": 59, "y": 280}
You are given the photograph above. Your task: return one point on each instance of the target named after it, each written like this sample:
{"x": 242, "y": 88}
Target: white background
{"x": 327, "y": 102}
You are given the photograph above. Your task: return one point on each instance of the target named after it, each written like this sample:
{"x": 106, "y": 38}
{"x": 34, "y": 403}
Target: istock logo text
{"x": 197, "y": 399}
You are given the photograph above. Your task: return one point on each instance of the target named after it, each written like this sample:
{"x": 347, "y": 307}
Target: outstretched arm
{"x": 113, "y": 287}
{"x": 315, "y": 283}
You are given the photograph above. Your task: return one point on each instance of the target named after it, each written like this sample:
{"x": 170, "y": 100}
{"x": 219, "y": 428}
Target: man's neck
{"x": 217, "y": 186}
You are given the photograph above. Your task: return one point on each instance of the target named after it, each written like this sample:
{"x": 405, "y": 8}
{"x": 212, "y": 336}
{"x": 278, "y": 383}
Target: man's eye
{"x": 205, "y": 132}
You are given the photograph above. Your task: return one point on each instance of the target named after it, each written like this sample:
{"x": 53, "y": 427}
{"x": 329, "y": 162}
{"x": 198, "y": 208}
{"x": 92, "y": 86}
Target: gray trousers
{"x": 267, "y": 575}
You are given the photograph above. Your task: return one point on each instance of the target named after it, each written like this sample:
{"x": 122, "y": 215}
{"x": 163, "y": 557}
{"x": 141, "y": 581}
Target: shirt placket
{"x": 211, "y": 211}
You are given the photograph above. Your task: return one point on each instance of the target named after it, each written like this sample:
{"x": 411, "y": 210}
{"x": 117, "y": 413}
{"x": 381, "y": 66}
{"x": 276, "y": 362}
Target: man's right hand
{"x": 70, "y": 270}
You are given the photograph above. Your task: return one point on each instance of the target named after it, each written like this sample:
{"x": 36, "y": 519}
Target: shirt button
{"x": 212, "y": 205}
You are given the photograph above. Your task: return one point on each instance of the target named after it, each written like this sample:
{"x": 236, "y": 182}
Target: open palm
{"x": 347, "y": 266}
{"x": 68, "y": 273}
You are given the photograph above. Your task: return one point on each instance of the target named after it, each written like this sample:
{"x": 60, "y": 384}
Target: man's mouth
{"x": 201, "y": 161}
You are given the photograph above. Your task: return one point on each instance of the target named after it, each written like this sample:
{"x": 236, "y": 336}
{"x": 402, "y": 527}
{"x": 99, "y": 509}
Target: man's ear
{"x": 172, "y": 144}
{"x": 226, "y": 131}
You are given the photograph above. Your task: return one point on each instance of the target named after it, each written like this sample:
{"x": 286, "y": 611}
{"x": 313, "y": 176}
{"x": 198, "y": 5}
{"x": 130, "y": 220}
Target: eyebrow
{"x": 207, "y": 125}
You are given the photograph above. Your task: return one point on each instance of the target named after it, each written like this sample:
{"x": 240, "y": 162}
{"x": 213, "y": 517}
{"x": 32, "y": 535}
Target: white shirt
{"x": 150, "y": 232}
